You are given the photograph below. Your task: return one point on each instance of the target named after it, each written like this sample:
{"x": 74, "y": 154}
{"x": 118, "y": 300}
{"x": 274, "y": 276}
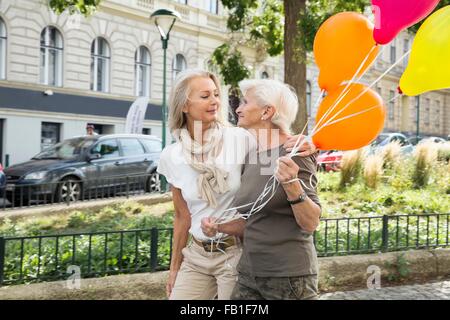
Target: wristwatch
{"x": 301, "y": 199}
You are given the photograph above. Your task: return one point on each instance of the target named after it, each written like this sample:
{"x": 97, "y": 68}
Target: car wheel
{"x": 154, "y": 183}
{"x": 69, "y": 190}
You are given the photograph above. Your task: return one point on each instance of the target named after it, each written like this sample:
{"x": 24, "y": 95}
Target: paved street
{"x": 429, "y": 291}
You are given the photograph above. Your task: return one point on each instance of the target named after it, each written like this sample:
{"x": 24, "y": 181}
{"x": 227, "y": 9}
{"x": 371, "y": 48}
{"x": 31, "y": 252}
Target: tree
{"x": 263, "y": 22}
{"x": 85, "y": 7}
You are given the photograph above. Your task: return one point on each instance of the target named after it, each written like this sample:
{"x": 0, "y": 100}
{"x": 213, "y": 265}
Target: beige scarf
{"x": 212, "y": 178}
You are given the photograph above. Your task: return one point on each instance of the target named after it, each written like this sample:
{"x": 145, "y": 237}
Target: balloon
{"x": 393, "y": 16}
{"x": 341, "y": 45}
{"x": 347, "y": 132}
{"x": 429, "y": 64}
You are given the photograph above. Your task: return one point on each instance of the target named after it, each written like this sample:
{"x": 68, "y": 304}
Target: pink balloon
{"x": 393, "y": 16}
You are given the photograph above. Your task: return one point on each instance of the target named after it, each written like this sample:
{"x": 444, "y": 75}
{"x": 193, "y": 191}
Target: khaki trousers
{"x": 206, "y": 275}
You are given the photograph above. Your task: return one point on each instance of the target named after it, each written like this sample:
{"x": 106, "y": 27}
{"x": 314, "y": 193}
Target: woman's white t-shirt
{"x": 237, "y": 142}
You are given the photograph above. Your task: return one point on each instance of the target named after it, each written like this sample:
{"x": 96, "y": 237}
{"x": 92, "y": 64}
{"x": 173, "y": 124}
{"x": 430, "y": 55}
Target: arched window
{"x": 214, "y": 6}
{"x": 179, "y": 64}
{"x": 143, "y": 66}
{"x": 264, "y": 75}
{"x": 51, "y": 57}
{"x": 100, "y": 65}
{"x": 308, "y": 98}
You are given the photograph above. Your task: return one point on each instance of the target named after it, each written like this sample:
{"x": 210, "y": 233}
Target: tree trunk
{"x": 295, "y": 59}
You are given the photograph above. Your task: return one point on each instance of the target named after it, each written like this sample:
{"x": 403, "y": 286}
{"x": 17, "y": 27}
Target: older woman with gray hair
{"x": 204, "y": 169}
{"x": 279, "y": 260}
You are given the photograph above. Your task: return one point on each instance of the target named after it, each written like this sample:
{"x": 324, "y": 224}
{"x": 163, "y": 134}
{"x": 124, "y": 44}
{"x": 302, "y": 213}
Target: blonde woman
{"x": 203, "y": 168}
{"x": 279, "y": 260}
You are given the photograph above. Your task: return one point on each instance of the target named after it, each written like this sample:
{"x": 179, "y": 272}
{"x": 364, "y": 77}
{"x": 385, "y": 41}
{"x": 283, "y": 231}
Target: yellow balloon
{"x": 429, "y": 64}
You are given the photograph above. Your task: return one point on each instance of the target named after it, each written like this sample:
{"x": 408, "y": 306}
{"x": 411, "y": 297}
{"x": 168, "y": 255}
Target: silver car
{"x": 385, "y": 138}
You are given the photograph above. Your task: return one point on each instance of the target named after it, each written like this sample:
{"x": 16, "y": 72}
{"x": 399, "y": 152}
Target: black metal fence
{"x": 52, "y": 257}
{"x": 71, "y": 190}
{"x": 345, "y": 236}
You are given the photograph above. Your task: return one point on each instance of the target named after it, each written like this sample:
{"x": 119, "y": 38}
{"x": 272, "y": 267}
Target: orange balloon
{"x": 341, "y": 45}
{"x": 351, "y": 127}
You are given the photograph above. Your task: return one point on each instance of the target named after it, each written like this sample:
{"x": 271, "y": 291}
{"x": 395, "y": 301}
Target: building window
{"x": 437, "y": 117}
{"x": 214, "y": 6}
{"x": 51, "y": 57}
{"x": 427, "y": 112}
{"x": 393, "y": 52}
{"x": 308, "y": 98}
{"x": 179, "y": 64}
{"x": 147, "y": 131}
{"x": 100, "y": 65}
{"x": 379, "y": 91}
{"x": 50, "y": 134}
{"x": 182, "y": 1}
{"x": 143, "y": 69}
{"x": 2, "y": 49}
{"x": 405, "y": 50}
{"x": 391, "y": 110}
{"x": 264, "y": 75}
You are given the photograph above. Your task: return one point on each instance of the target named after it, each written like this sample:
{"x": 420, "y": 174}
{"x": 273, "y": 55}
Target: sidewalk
{"x": 429, "y": 291}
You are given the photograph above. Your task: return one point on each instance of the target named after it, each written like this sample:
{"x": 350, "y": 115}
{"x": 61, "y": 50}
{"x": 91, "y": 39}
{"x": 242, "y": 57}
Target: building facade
{"x": 59, "y": 73}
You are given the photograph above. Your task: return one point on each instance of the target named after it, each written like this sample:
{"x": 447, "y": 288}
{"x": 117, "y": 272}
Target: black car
{"x": 86, "y": 167}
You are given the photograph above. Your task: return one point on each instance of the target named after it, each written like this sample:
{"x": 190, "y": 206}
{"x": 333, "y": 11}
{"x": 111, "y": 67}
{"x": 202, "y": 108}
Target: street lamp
{"x": 164, "y": 21}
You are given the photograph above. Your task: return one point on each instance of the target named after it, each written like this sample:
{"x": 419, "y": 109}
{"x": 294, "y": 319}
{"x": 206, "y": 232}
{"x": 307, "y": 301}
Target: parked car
{"x": 385, "y": 138}
{"x": 330, "y": 160}
{"x": 432, "y": 139}
{"x": 415, "y": 140}
{"x": 87, "y": 166}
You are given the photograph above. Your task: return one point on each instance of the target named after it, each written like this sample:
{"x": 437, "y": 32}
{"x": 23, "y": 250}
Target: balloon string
{"x": 301, "y": 137}
{"x": 362, "y": 93}
{"x": 360, "y": 112}
{"x": 345, "y": 92}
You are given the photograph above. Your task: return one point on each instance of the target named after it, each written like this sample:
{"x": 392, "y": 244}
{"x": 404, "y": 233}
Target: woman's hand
{"x": 209, "y": 227}
{"x": 306, "y": 149}
{"x": 287, "y": 170}
{"x": 171, "y": 282}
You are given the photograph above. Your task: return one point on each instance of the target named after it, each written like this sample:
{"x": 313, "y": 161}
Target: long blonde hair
{"x": 179, "y": 96}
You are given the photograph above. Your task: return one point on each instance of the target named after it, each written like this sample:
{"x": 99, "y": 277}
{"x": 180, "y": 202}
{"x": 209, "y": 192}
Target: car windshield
{"x": 381, "y": 140}
{"x": 66, "y": 150}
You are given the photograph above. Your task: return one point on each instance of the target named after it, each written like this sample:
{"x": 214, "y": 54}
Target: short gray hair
{"x": 179, "y": 96}
{"x": 282, "y": 97}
